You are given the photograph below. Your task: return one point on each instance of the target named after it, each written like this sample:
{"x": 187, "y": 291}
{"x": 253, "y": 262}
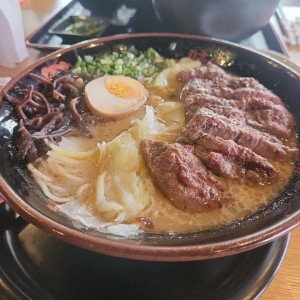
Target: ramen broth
{"x": 159, "y": 215}
{"x": 245, "y": 199}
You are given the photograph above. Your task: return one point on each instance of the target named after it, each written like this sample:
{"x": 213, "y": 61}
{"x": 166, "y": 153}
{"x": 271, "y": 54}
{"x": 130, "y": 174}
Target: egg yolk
{"x": 124, "y": 87}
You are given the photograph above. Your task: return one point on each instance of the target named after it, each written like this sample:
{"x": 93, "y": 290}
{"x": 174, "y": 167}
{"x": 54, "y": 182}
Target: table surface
{"x": 286, "y": 284}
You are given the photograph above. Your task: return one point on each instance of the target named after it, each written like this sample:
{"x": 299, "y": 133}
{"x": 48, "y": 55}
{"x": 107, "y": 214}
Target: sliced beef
{"x": 234, "y": 125}
{"x": 226, "y": 158}
{"x": 258, "y": 113}
{"x": 181, "y": 176}
{"x": 223, "y": 89}
{"x": 276, "y": 120}
{"x": 193, "y": 103}
{"x": 208, "y": 71}
{"x": 226, "y": 88}
{"x": 206, "y": 121}
{"x": 249, "y": 93}
{"x": 215, "y": 81}
{"x": 215, "y": 73}
{"x": 210, "y": 86}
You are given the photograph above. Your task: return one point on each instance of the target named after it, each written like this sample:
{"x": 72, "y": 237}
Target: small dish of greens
{"x": 81, "y": 26}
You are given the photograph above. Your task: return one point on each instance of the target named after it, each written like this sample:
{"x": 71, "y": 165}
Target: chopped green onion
{"x": 129, "y": 62}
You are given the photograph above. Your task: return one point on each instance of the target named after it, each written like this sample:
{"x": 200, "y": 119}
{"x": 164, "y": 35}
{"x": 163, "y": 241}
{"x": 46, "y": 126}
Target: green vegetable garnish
{"x": 85, "y": 27}
{"x": 128, "y": 62}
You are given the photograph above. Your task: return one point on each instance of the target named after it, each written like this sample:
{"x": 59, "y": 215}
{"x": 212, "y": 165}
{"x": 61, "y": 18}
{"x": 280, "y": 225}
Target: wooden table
{"x": 286, "y": 284}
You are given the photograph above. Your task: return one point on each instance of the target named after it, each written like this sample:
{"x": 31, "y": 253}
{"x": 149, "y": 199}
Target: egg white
{"x": 102, "y": 102}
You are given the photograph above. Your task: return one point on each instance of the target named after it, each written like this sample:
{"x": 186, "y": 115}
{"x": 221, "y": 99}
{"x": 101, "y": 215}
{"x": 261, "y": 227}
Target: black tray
{"x": 42, "y": 39}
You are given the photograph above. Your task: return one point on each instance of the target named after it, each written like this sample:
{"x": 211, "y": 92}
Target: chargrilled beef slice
{"x": 194, "y": 102}
{"x": 248, "y": 93}
{"x": 276, "y": 120}
{"x": 181, "y": 176}
{"x": 206, "y": 121}
{"x": 226, "y": 158}
{"x": 215, "y": 81}
{"x": 221, "y": 88}
{"x": 217, "y": 74}
{"x": 224, "y": 88}
{"x": 260, "y": 114}
{"x": 207, "y": 71}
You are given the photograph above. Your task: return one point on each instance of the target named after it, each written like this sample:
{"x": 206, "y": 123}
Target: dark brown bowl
{"x": 227, "y": 19}
{"x": 266, "y": 225}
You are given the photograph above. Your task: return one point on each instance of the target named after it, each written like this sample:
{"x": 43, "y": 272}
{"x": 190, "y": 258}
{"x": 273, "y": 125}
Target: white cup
{"x": 12, "y": 42}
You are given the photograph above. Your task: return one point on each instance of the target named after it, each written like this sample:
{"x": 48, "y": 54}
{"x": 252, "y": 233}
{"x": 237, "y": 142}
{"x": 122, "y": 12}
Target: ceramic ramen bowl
{"x": 278, "y": 218}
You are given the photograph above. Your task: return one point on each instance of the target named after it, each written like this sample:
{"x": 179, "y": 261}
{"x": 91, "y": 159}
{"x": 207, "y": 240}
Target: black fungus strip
{"x": 50, "y": 110}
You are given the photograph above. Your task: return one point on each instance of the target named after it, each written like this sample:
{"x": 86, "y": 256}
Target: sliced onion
{"x": 72, "y": 154}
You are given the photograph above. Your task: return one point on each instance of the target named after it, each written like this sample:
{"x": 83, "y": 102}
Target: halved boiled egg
{"x": 114, "y": 95}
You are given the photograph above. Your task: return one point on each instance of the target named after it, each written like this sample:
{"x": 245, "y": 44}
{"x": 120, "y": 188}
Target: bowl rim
{"x": 141, "y": 251}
